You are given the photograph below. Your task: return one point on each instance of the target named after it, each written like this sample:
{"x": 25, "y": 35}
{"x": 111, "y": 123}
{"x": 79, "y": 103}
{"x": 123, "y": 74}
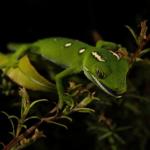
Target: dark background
{"x": 29, "y": 20}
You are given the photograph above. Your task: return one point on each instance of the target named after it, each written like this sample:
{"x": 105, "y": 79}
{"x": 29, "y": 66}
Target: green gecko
{"x": 101, "y": 63}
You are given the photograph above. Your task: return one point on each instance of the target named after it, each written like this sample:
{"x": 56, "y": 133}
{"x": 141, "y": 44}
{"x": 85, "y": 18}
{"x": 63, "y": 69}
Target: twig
{"x": 15, "y": 140}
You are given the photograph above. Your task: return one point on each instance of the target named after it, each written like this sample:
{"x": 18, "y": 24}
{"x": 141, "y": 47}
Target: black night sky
{"x": 29, "y": 20}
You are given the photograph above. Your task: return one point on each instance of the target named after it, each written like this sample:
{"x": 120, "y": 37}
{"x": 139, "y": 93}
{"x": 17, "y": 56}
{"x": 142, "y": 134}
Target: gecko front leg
{"x": 60, "y": 89}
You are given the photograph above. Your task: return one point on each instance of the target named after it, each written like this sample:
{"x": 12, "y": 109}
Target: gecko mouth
{"x": 105, "y": 89}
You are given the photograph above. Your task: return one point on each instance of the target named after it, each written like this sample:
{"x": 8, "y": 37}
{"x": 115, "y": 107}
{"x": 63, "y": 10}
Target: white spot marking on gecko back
{"x": 97, "y": 56}
{"x": 82, "y": 50}
{"x": 115, "y": 54}
{"x": 68, "y": 44}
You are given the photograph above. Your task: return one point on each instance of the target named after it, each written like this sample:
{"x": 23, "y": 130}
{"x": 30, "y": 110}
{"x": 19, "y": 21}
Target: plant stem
{"x": 15, "y": 140}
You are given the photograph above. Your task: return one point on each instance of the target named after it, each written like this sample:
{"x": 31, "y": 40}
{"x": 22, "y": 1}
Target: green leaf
{"x": 13, "y": 117}
{"x": 23, "y": 126}
{"x": 37, "y": 101}
{"x": 84, "y": 110}
{"x": 104, "y": 136}
{"x": 141, "y": 98}
{"x": 123, "y": 128}
{"x": 31, "y": 117}
{"x": 112, "y": 142}
{"x": 11, "y": 133}
{"x": 103, "y": 129}
{"x": 143, "y": 52}
{"x": 133, "y": 34}
{"x": 66, "y": 117}
{"x": 59, "y": 124}
{"x": 3, "y": 145}
{"x": 11, "y": 121}
{"x": 133, "y": 108}
{"x": 118, "y": 138}
{"x": 87, "y": 100}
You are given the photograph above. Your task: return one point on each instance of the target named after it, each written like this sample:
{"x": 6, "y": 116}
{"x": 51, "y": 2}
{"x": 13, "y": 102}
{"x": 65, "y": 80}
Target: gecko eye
{"x": 100, "y": 74}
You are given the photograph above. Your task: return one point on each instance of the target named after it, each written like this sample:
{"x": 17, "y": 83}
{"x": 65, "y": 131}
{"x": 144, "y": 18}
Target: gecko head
{"x": 108, "y": 71}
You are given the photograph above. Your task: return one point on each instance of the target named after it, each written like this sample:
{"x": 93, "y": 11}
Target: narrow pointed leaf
{"x": 11, "y": 121}
{"x": 59, "y": 124}
{"x": 123, "y": 128}
{"x": 13, "y": 117}
{"x": 133, "y": 34}
{"x": 1, "y": 143}
{"x": 103, "y": 129}
{"x": 30, "y": 118}
{"x": 104, "y": 136}
{"x": 37, "y": 101}
{"x": 66, "y": 117}
{"x": 143, "y": 52}
{"x": 119, "y": 138}
{"x": 84, "y": 110}
{"x": 23, "y": 126}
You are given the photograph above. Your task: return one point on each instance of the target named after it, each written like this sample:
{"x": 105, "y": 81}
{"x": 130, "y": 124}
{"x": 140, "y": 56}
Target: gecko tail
{"x": 15, "y": 46}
